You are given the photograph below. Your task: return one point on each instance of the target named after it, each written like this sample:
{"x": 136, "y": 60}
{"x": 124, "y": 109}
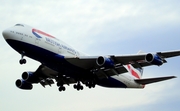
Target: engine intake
{"x": 154, "y": 59}
{"x": 23, "y": 84}
{"x": 105, "y": 62}
{"x": 30, "y": 77}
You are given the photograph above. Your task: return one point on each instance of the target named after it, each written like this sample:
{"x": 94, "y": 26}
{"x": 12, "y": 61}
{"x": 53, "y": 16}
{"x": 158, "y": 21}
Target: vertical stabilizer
{"x": 140, "y": 52}
{"x": 136, "y": 72}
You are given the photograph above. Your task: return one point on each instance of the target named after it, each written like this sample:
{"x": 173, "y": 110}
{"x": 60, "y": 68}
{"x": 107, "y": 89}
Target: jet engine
{"x": 154, "y": 59}
{"x": 23, "y": 84}
{"x": 105, "y": 62}
{"x": 30, "y": 77}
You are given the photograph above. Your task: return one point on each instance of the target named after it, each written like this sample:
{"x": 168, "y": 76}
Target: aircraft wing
{"x": 141, "y": 58}
{"x": 88, "y": 62}
{"x": 137, "y": 60}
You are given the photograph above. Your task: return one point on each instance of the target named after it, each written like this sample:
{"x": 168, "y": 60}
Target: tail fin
{"x": 136, "y": 72}
{"x": 153, "y": 80}
{"x": 140, "y": 52}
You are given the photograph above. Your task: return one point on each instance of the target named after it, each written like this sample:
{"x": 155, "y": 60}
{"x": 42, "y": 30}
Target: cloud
{"x": 93, "y": 20}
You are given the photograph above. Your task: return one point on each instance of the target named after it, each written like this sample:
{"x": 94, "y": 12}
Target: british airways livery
{"x": 65, "y": 65}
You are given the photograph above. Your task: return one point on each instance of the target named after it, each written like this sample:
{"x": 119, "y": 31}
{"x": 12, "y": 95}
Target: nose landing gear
{"x": 22, "y": 61}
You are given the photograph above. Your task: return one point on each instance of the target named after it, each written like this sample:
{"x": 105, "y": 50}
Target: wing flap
{"x": 153, "y": 80}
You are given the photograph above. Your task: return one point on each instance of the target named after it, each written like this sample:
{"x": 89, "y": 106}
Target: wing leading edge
{"x": 88, "y": 62}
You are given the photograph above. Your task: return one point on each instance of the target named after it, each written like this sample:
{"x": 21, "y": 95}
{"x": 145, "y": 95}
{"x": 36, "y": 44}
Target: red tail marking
{"x": 133, "y": 72}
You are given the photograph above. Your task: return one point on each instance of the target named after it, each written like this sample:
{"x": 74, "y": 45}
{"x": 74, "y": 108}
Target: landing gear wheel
{"x": 78, "y": 86}
{"x": 62, "y": 88}
{"x": 90, "y": 84}
{"x": 75, "y": 86}
{"x": 22, "y": 61}
{"x": 81, "y": 87}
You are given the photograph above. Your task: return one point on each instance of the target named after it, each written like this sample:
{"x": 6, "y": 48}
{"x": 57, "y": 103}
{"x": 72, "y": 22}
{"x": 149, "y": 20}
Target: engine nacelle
{"x": 30, "y": 77}
{"x": 154, "y": 59}
{"x": 23, "y": 84}
{"x": 105, "y": 62}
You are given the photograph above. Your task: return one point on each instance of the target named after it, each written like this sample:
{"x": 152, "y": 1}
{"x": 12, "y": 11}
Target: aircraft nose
{"x": 5, "y": 34}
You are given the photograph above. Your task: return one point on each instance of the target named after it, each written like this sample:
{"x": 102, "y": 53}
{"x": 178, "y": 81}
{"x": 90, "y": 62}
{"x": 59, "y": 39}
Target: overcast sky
{"x": 96, "y": 27}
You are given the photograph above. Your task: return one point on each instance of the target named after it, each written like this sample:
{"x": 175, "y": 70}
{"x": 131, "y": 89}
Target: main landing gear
{"x": 90, "y": 84}
{"x": 78, "y": 86}
{"x": 22, "y": 61}
{"x": 61, "y": 81}
{"x": 61, "y": 87}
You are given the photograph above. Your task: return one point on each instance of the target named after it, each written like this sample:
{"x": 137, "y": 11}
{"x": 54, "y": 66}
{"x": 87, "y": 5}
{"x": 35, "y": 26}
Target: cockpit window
{"x": 19, "y": 25}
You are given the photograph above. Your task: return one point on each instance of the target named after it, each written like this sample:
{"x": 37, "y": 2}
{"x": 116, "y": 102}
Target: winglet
{"x": 153, "y": 80}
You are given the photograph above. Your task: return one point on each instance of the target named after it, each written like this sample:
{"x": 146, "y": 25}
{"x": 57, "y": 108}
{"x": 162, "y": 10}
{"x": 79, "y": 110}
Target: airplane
{"x": 64, "y": 65}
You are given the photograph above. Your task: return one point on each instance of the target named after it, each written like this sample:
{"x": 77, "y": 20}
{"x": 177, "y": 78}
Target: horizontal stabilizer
{"x": 152, "y": 80}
